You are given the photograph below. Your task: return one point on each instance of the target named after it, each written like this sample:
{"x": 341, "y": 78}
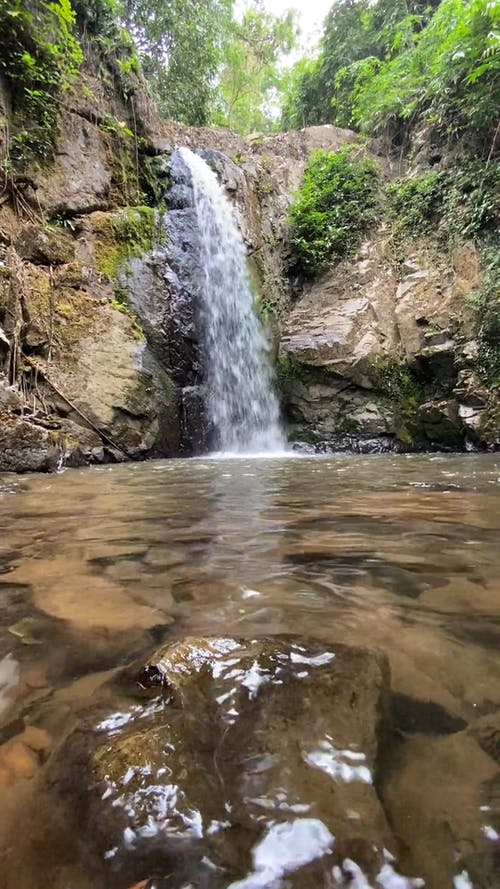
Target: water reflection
{"x": 98, "y": 567}
{"x": 400, "y": 551}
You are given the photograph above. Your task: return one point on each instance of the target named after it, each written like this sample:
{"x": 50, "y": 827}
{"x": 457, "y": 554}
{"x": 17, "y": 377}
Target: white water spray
{"x": 242, "y": 405}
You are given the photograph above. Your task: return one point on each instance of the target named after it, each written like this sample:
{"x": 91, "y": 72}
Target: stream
{"x": 397, "y": 553}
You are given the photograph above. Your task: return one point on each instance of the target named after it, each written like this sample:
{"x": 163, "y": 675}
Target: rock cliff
{"x": 372, "y": 355}
{"x": 98, "y": 346}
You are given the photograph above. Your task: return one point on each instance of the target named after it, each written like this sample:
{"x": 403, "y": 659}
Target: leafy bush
{"x": 39, "y": 56}
{"x": 460, "y": 200}
{"x": 486, "y": 304}
{"x": 390, "y": 67}
{"x": 96, "y": 17}
{"x": 337, "y": 200}
{"x": 448, "y": 75}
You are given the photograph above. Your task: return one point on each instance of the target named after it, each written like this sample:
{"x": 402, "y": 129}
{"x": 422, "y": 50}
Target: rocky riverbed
{"x": 251, "y": 673}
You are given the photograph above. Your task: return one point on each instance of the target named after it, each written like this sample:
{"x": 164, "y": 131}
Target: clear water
{"x": 242, "y": 405}
{"x": 399, "y": 553}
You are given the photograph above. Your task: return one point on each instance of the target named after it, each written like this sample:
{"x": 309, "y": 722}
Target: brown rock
{"x": 5, "y": 777}
{"x": 36, "y": 738}
{"x": 25, "y": 446}
{"x": 65, "y": 591}
{"x": 261, "y": 739}
{"x": 80, "y": 180}
{"x": 368, "y": 315}
{"x": 17, "y": 758}
{"x": 486, "y": 731}
{"x": 433, "y": 797}
{"x": 45, "y": 246}
{"x": 29, "y": 447}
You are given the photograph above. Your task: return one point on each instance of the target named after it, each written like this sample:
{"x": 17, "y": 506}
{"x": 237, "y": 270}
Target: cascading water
{"x": 242, "y": 407}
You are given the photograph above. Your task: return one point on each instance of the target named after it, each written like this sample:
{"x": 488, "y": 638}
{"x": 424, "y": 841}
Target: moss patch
{"x": 122, "y": 236}
{"x": 486, "y": 305}
{"x": 287, "y": 373}
{"x": 462, "y": 200}
{"x": 39, "y": 57}
{"x": 154, "y": 173}
{"x": 400, "y": 387}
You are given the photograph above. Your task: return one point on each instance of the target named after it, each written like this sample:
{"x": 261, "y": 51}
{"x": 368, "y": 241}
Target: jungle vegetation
{"x": 385, "y": 68}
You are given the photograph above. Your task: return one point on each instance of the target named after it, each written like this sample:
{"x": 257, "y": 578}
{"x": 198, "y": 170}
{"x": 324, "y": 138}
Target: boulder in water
{"x": 252, "y": 762}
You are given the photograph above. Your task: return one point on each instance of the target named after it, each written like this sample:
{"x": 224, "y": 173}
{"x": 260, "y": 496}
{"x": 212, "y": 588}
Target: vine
{"x": 39, "y": 57}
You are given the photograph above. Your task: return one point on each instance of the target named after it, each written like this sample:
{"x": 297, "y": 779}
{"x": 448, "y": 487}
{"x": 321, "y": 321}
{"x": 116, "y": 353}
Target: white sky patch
{"x": 310, "y": 18}
{"x": 311, "y": 14}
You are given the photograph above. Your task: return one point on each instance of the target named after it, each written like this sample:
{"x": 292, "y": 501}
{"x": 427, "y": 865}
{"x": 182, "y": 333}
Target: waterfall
{"x": 241, "y": 404}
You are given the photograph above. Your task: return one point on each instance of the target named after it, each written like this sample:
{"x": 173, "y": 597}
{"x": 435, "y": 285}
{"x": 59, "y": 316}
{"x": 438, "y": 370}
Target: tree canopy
{"x": 250, "y": 76}
{"x": 181, "y": 45}
{"x": 388, "y": 66}
{"x": 203, "y": 64}
{"x": 384, "y": 67}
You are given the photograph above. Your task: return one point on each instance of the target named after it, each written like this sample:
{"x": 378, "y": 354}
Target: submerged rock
{"x": 441, "y": 797}
{"x": 486, "y": 731}
{"x": 255, "y": 761}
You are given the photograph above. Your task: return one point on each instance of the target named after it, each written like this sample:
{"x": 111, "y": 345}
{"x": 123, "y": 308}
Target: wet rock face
{"x": 252, "y": 762}
{"x": 161, "y": 288}
{"x": 368, "y": 349}
{"x": 182, "y": 276}
{"x": 31, "y": 447}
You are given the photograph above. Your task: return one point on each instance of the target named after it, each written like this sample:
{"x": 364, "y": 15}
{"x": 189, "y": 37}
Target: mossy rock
{"x": 155, "y": 174}
{"x": 441, "y": 423}
{"x": 121, "y": 236}
{"x": 45, "y": 246}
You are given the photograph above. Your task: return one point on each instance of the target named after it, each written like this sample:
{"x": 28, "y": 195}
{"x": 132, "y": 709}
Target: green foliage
{"x": 414, "y": 203}
{"x": 100, "y": 22}
{"x": 346, "y": 426}
{"x": 448, "y": 75}
{"x": 120, "y": 304}
{"x": 250, "y": 75}
{"x": 96, "y": 18}
{"x": 486, "y": 303}
{"x": 110, "y": 124}
{"x": 181, "y": 45}
{"x": 319, "y": 90}
{"x": 39, "y": 57}
{"x": 302, "y": 101}
{"x": 287, "y": 374}
{"x": 267, "y": 309}
{"x": 400, "y": 386}
{"x": 390, "y": 66}
{"x": 397, "y": 382}
{"x": 337, "y": 200}
{"x": 460, "y": 200}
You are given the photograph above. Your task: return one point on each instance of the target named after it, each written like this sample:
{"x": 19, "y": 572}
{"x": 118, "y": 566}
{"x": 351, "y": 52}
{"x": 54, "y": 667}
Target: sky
{"x": 311, "y": 14}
